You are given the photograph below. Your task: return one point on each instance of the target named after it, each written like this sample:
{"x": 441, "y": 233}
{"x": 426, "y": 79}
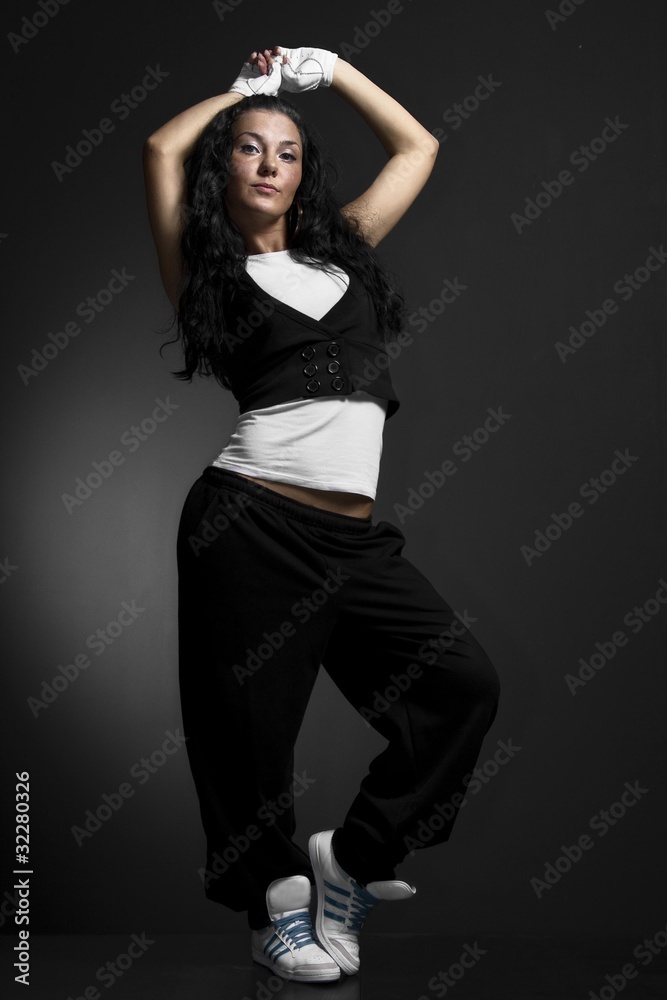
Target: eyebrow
{"x": 256, "y": 135}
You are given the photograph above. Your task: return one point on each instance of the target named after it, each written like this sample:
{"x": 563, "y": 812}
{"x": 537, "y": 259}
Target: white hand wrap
{"x": 307, "y": 69}
{"x": 251, "y": 81}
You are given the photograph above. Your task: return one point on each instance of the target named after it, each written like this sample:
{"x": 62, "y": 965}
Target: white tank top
{"x": 330, "y": 443}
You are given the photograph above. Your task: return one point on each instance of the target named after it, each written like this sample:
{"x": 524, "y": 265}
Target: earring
{"x": 299, "y": 213}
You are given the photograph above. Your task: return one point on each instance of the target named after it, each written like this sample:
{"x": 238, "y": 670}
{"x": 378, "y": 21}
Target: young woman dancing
{"x": 280, "y": 296}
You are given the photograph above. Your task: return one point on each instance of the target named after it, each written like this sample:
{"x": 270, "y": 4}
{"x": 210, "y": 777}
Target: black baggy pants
{"x": 270, "y": 589}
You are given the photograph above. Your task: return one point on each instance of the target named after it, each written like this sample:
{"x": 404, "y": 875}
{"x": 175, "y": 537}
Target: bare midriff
{"x": 352, "y": 504}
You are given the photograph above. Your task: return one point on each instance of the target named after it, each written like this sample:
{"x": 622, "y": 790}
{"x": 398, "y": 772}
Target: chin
{"x": 272, "y": 211}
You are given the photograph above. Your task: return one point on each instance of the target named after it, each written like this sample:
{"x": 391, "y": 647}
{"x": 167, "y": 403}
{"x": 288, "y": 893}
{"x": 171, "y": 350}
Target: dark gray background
{"x": 493, "y": 347}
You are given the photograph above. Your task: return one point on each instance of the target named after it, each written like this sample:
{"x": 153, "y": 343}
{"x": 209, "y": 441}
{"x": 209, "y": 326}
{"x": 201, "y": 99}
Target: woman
{"x": 280, "y": 296}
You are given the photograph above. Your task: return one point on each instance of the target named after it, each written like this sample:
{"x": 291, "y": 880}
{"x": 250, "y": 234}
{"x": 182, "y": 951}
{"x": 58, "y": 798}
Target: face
{"x": 265, "y": 167}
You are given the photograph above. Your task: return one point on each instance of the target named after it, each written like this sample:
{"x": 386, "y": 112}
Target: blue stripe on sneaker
{"x": 274, "y": 948}
{"x": 333, "y": 916}
{"x": 336, "y": 888}
{"x": 335, "y": 902}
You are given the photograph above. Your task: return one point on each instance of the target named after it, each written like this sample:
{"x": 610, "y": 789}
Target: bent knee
{"x": 471, "y": 672}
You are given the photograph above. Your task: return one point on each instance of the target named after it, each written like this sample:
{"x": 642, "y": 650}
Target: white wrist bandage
{"x": 251, "y": 81}
{"x": 307, "y": 69}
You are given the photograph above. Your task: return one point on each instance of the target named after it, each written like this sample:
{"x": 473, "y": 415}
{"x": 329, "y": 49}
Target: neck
{"x": 260, "y": 244}
{"x": 264, "y": 235}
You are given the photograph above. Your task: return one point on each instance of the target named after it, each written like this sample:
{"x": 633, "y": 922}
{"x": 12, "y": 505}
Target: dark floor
{"x": 394, "y": 967}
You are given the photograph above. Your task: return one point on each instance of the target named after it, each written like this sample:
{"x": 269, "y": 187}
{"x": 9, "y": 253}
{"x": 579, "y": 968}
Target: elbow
{"x": 425, "y": 150}
{"x": 432, "y": 144}
{"x": 156, "y": 145}
{"x": 151, "y": 146}
{"x": 432, "y": 148}
{"x": 423, "y": 154}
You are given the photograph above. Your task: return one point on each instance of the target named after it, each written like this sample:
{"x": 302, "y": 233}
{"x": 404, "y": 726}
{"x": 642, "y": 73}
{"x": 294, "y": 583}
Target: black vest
{"x": 273, "y": 353}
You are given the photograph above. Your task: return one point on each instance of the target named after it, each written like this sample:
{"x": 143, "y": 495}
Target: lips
{"x": 265, "y": 187}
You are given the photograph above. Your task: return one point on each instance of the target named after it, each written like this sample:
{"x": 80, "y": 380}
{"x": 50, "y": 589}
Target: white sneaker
{"x": 343, "y": 904}
{"x": 287, "y": 945}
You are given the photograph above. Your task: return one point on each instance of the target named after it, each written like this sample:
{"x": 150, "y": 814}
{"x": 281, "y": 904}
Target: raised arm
{"x": 410, "y": 147}
{"x": 164, "y": 154}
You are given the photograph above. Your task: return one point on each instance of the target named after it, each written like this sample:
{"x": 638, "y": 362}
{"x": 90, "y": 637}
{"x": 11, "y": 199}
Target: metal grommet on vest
{"x": 310, "y": 369}
{"x": 334, "y": 366}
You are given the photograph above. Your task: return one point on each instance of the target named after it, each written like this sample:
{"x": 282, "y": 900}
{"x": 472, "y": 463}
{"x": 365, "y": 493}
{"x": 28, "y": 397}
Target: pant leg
{"x": 247, "y": 667}
{"x": 421, "y": 679}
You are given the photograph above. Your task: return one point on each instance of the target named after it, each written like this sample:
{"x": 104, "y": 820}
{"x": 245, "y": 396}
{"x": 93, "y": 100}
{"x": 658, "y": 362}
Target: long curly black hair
{"x": 214, "y": 253}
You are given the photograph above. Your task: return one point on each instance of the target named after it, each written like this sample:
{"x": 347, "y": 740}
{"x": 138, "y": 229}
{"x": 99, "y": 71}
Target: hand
{"x": 261, "y": 74}
{"x": 306, "y": 68}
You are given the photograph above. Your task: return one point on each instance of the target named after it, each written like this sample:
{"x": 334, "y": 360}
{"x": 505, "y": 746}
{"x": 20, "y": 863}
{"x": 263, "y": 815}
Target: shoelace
{"x": 361, "y": 901}
{"x": 294, "y": 930}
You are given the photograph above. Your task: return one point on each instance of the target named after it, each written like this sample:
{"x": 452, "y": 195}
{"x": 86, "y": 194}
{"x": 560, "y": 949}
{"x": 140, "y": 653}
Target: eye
{"x": 290, "y": 156}
{"x": 246, "y": 146}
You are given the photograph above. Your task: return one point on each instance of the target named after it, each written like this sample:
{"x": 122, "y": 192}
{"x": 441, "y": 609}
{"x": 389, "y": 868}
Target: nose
{"x": 269, "y": 163}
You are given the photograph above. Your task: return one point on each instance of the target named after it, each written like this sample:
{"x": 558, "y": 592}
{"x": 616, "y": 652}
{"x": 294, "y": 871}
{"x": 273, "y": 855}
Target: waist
{"x": 293, "y": 507}
{"x": 320, "y": 446}
{"x": 351, "y": 504}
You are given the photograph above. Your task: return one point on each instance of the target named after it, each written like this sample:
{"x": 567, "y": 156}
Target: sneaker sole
{"x": 308, "y": 976}
{"x": 341, "y": 959}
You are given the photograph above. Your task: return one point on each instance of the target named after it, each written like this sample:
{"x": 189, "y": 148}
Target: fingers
{"x": 264, "y": 59}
